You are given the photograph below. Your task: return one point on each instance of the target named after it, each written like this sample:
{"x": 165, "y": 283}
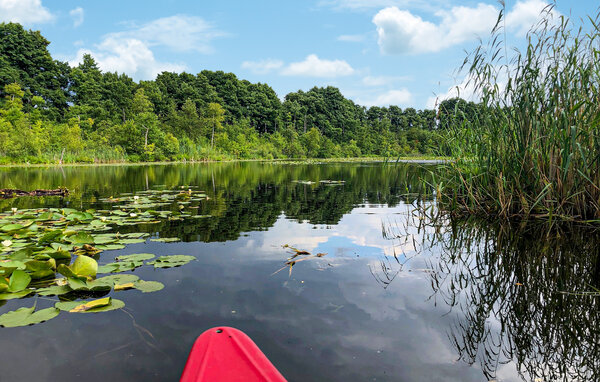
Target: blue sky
{"x": 378, "y": 52}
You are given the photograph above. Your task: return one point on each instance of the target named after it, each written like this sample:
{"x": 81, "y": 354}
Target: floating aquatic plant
{"x": 38, "y": 246}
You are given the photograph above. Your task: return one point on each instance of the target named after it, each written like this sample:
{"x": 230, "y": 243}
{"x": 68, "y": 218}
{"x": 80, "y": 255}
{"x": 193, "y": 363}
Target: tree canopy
{"x": 86, "y": 114}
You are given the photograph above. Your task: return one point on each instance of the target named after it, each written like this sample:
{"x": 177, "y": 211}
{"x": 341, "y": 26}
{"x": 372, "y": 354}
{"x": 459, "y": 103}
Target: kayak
{"x": 226, "y": 354}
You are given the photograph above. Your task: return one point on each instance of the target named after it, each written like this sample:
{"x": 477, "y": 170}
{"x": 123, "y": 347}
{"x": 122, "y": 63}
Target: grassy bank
{"x": 533, "y": 150}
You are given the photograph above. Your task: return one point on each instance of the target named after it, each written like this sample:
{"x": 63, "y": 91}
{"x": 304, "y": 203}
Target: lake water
{"x": 397, "y": 297}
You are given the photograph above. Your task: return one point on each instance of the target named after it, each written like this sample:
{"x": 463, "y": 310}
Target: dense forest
{"x": 51, "y": 112}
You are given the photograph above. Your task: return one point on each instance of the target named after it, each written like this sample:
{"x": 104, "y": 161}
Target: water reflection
{"x": 365, "y": 311}
{"x": 243, "y": 196}
{"x": 516, "y": 296}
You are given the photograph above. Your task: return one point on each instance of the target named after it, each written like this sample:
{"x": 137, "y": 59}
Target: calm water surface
{"x": 396, "y": 298}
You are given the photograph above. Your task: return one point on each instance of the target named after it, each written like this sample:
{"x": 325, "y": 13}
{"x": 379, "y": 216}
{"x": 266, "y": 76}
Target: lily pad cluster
{"x": 56, "y": 252}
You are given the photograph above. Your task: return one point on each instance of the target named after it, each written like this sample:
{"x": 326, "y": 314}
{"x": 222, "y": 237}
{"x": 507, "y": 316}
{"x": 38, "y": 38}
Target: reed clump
{"x": 533, "y": 148}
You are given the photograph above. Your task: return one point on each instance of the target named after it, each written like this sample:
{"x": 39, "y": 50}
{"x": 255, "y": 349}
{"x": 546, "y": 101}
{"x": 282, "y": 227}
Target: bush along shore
{"x": 51, "y": 112}
{"x": 533, "y": 148}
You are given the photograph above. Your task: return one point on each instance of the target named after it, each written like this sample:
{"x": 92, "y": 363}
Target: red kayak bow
{"x": 226, "y": 354}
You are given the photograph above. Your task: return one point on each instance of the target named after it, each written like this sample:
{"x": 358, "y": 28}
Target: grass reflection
{"x": 516, "y": 296}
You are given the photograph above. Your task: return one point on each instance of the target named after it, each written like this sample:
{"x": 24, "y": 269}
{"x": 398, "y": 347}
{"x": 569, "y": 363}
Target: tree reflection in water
{"x": 519, "y": 294}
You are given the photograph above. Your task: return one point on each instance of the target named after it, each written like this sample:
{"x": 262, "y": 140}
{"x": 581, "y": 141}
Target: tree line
{"x": 52, "y": 112}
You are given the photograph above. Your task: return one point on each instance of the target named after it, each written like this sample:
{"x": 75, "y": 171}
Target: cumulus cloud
{"x": 130, "y": 56}
{"x": 400, "y": 31}
{"x": 390, "y": 97}
{"x": 181, "y": 33}
{"x": 351, "y": 38}
{"x": 263, "y": 66}
{"x": 77, "y": 16}
{"x": 26, "y": 12}
{"x": 525, "y": 14}
{"x": 131, "y": 52}
{"x": 313, "y": 66}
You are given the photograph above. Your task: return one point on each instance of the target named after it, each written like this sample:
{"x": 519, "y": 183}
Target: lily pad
{"x": 148, "y": 286}
{"x": 11, "y": 227}
{"x": 81, "y": 238}
{"x": 171, "y": 261}
{"x": 19, "y": 280}
{"x": 93, "y": 306}
{"x": 119, "y": 287}
{"x": 136, "y": 257}
{"x": 11, "y": 296}
{"x": 54, "y": 290}
{"x": 132, "y": 241}
{"x": 85, "y": 266}
{"x": 119, "y": 279}
{"x": 27, "y": 316}
{"x": 166, "y": 239}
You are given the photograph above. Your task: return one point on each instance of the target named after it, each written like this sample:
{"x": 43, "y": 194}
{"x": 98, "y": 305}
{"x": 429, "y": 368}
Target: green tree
{"x": 214, "y": 115}
{"x": 24, "y": 58}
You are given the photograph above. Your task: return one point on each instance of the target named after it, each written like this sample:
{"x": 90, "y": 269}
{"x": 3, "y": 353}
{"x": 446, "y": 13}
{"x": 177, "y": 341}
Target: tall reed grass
{"x": 533, "y": 149}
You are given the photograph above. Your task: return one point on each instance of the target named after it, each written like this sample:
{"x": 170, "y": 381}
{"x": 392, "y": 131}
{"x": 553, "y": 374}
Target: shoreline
{"x": 402, "y": 159}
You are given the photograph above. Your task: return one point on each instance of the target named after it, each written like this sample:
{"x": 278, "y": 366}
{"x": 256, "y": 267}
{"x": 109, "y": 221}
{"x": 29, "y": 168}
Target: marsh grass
{"x": 533, "y": 149}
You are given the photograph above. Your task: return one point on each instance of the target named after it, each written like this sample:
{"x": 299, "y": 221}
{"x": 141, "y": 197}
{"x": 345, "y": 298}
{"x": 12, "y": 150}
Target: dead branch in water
{"x": 7, "y": 193}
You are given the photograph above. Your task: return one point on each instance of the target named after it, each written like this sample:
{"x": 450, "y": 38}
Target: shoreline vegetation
{"x": 532, "y": 151}
{"x": 51, "y": 112}
{"x": 419, "y": 159}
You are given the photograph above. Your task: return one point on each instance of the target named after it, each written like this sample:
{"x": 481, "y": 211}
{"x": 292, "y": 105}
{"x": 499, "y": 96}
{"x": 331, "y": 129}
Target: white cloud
{"x": 313, "y": 66}
{"x": 525, "y": 14}
{"x": 131, "y": 52}
{"x": 351, "y": 38}
{"x": 262, "y": 66}
{"x": 130, "y": 56}
{"x": 24, "y": 12}
{"x": 400, "y": 31}
{"x": 391, "y": 97}
{"x": 181, "y": 33}
{"x": 77, "y": 16}
{"x": 382, "y": 80}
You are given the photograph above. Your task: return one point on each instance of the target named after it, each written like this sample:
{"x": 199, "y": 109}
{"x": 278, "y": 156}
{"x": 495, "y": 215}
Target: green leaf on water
{"x": 15, "y": 264}
{"x": 39, "y": 269}
{"x": 166, "y": 239}
{"x": 81, "y": 238}
{"x": 82, "y": 285}
{"x": 108, "y": 268}
{"x": 54, "y": 290}
{"x": 136, "y": 257}
{"x": 171, "y": 261}
{"x": 27, "y": 316}
{"x": 65, "y": 271}
{"x": 119, "y": 279}
{"x": 11, "y": 227}
{"x": 148, "y": 286}
{"x": 132, "y": 241}
{"x": 85, "y": 266}
{"x": 19, "y": 280}
{"x": 92, "y": 306}
{"x": 50, "y": 236}
{"x": 11, "y": 296}
{"x": 110, "y": 247}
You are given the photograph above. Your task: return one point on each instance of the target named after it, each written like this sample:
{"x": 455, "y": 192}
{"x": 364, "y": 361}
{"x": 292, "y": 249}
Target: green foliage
{"x": 51, "y": 113}
{"x": 37, "y": 245}
{"x": 532, "y": 147}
